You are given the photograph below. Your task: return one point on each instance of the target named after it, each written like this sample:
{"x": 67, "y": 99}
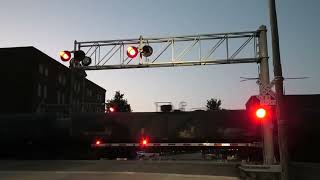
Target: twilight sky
{"x": 52, "y": 26}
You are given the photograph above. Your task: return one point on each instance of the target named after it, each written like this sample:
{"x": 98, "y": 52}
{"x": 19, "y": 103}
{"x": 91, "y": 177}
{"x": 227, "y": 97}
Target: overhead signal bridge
{"x": 201, "y": 49}
{"x": 192, "y": 50}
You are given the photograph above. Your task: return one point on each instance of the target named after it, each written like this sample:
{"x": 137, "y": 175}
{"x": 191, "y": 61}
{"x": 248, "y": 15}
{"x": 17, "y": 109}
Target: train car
{"x": 26, "y": 134}
{"x": 215, "y": 126}
{"x": 123, "y": 133}
{"x": 95, "y": 135}
{"x": 40, "y": 136}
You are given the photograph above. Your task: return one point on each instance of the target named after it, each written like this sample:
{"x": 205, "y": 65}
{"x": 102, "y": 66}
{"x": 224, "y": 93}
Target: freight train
{"x": 40, "y": 136}
{"x": 88, "y": 135}
{"x": 122, "y": 134}
{"x": 111, "y": 135}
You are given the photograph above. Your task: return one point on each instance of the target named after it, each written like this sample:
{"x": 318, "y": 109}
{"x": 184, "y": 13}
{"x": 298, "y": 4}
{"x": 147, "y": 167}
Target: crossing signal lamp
{"x": 78, "y": 57}
{"x": 98, "y": 142}
{"x": 144, "y": 142}
{"x": 261, "y": 113}
{"x": 132, "y": 52}
{"x": 258, "y": 112}
{"x": 65, "y": 55}
{"x": 112, "y": 109}
{"x": 145, "y": 51}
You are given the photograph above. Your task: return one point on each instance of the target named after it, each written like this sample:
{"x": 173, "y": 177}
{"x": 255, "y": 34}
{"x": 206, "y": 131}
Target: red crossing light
{"x": 111, "y": 109}
{"x": 261, "y": 113}
{"x": 144, "y": 142}
{"x": 98, "y": 142}
{"x": 65, "y": 55}
{"x": 132, "y": 52}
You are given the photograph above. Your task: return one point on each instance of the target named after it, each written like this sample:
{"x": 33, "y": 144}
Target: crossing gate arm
{"x": 256, "y": 144}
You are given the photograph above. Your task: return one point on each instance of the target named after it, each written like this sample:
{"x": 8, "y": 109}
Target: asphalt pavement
{"x": 81, "y": 175}
{"x": 106, "y": 169}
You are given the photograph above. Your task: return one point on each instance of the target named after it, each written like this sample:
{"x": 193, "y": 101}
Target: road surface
{"x": 155, "y": 170}
{"x": 81, "y": 175}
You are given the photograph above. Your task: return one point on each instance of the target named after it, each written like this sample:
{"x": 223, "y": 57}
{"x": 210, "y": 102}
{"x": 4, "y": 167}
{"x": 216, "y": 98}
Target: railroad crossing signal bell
{"x": 146, "y": 51}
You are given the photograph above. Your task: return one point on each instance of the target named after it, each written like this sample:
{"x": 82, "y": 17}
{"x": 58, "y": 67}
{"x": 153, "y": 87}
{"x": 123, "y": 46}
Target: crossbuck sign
{"x": 267, "y": 96}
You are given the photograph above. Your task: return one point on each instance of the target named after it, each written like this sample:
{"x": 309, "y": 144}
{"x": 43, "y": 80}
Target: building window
{"x": 40, "y": 68}
{"x": 62, "y": 98}
{"x": 39, "y": 90}
{"x": 59, "y": 78}
{"x": 89, "y": 92}
{"x": 75, "y": 86}
{"x": 46, "y": 71}
{"x": 45, "y": 91}
{"x": 58, "y": 97}
{"x": 63, "y": 80}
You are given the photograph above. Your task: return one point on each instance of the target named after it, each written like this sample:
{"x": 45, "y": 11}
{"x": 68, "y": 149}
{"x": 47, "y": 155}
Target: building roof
{"x": 30, "y": 53}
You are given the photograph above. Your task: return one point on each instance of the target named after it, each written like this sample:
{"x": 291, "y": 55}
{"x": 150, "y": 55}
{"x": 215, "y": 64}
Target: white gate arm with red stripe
{"x": 100, "y": 145}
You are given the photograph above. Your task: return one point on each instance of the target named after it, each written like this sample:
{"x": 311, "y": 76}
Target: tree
{"x": 213, "y": 104}
{"x": 118, "y": 103}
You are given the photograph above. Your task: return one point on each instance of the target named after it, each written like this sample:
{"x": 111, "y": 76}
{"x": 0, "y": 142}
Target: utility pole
{"x": 268, "y": 150}
{"x": 282, "y": 123}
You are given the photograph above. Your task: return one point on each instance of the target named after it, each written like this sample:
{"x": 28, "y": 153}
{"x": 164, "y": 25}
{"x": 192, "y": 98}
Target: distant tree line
{"x": 214, "y": 104}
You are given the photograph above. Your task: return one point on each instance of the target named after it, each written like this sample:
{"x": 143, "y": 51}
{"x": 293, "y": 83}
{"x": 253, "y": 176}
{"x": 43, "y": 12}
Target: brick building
{"x": 31, "y": 81}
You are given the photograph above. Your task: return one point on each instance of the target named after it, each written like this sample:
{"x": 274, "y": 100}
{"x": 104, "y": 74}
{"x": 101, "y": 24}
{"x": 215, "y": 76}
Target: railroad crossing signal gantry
{"x": 192, "y": 50}
{"x": 200, "y": 49}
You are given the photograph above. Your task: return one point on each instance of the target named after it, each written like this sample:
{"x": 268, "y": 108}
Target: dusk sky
{"x": 52, "y": 26}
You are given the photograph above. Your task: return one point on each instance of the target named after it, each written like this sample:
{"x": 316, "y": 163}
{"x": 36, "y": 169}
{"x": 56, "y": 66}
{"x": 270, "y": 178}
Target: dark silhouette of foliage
{"x": 213, "y": 104}
{"x": 118, "y": 103}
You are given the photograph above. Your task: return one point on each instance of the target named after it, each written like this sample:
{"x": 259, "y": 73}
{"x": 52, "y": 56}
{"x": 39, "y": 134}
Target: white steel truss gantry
{"x": 174, "y": 51}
